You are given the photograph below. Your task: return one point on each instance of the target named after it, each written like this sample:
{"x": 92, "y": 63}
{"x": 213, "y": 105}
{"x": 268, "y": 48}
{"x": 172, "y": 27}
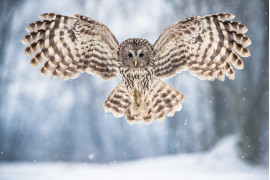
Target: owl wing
{"x": 206, "y": 46}
{"x": 71, "y": 45}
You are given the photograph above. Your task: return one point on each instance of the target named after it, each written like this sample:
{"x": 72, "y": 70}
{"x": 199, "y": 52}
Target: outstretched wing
{"x": 72, "y": 45}
{"x": 206, "y": 46}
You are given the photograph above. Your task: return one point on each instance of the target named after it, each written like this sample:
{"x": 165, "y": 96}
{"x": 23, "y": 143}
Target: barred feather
{"x": 206, "y": 46}
{"x": 209, "y": 47}
{"x": 72, "y": 45}
{"x": 160, "y": 101}
{"x": 118, "y": 101}
{"x": 164, "y": 100}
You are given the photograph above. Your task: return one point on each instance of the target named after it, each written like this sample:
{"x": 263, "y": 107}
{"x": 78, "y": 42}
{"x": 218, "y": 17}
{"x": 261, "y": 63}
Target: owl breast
{"x": 138, "y": 82}
{"x": 137, "y": 79}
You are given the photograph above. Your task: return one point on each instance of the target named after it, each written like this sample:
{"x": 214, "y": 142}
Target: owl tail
{"x": 162, "y": 99}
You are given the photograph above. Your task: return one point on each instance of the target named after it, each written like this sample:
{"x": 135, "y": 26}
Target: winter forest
{"x": 51, "y": 121}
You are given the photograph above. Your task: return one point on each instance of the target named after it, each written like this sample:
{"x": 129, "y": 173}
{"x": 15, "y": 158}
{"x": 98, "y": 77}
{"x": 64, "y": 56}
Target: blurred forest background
{"x": 54, "y": 120}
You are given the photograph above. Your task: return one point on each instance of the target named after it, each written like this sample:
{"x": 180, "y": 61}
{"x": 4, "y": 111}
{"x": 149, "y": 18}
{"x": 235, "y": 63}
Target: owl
{"x": 208, "y": 47}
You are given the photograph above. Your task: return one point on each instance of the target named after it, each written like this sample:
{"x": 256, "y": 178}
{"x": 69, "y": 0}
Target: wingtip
{"x": 24, "y": 41}
{"x": 228, "y": 16}
{"x": 28, "y": 28}
{"x": 78, "y": 16}
{"x": 232, "y": 77}
{"x": 232, "y": 16}
{"x": 244, "y": 30}
{"x": 42, "y": 15}
{"x": 26, "y": 52}
{"x": 247, "y": 54}
{"x": 248, "y": 42}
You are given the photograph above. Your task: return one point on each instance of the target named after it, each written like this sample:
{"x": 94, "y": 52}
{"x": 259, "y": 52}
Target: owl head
{"x": 136, "y": 53}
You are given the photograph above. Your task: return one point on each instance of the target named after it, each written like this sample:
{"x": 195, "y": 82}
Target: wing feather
{"x": 206, "y": 46}
{"x": 71, "y": 45}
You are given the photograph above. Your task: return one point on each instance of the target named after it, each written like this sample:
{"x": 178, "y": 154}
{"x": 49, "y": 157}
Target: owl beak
{"x": 135, "y": 63}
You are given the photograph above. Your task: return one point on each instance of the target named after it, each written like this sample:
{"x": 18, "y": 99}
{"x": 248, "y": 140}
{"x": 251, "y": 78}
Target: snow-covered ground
{"x": 221, "y": 163}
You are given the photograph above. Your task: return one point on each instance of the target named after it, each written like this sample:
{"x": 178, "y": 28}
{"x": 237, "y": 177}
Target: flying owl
{"x": 206, "y": 46}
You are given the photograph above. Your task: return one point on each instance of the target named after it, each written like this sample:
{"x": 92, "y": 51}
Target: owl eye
{"x": 141, "y": 55}
{"x": 129, "y": 54}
